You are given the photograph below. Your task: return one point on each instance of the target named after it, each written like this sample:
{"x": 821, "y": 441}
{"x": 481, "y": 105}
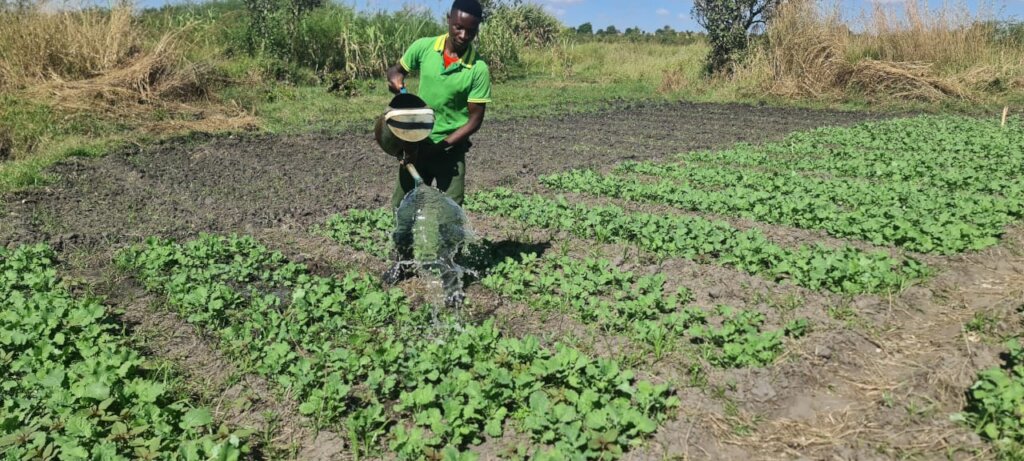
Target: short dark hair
{"x": 470, "y": 7}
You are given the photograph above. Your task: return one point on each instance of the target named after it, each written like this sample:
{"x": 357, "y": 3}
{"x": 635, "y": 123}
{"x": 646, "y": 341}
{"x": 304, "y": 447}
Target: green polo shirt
{"x": 448, "y": 91}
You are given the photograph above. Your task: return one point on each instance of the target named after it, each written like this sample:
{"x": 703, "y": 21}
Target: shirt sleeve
{"x": 480, "y": 93}
{"x": 411, "y": 59}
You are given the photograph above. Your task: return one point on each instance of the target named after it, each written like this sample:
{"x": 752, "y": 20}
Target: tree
{"x": 667, "y": 35}
{"x": 666, "y": 31}
{"x": 727, "y": 23}
{"x": 610, "y": 30}
{"x": 633, "y": 32}
{"x": 585, "y": 29}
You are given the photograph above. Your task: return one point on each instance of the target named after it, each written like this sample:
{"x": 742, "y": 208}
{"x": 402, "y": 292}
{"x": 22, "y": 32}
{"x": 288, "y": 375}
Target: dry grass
{"x": 40, "y": 44}
{"x": 97, "y": 61}
{"x": 915, "y": 53}
{"x": 97, "y": 78}
{"x": 159, "y": 76}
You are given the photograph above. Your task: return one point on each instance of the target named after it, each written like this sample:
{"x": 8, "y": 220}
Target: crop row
{"x": 995, "y": 403}
{"x": 842, "y": 270}
{"x": 596, "y": 292}
{"x": 359, "y": 357}
{"x": 622, "y": 302}
{"x": 916, "y": 218}
{"x": 73, "y": 388}
{"x": 953, "y": 153}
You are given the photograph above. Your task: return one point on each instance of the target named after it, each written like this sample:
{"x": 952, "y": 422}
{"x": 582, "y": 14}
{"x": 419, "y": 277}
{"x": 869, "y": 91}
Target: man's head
{"x": 464, "y": 23}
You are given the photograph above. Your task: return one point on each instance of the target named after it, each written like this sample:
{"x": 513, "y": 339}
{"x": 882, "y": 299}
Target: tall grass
{"x": 336, "y": 38}
{"x": 99, "y": 75}
{"x": 364, "y": 45}
{"x": 79, "y": 55}
{"x": 38, "y": 45}
{"x": 903, "y": 50}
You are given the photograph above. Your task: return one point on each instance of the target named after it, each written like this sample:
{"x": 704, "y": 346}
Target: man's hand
{"x": 395, "y": 85}
{"x": 396, "y": 78}
{"x": 425, "y": 150}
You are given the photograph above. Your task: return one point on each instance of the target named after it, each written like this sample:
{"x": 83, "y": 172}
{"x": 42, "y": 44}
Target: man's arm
{"x": 396, "y": 77}
{"x": 476, "y": 118}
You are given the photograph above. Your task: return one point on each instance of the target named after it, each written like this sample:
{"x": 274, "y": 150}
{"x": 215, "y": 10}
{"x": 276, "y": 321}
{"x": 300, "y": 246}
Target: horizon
{"x": 648, "y": 15}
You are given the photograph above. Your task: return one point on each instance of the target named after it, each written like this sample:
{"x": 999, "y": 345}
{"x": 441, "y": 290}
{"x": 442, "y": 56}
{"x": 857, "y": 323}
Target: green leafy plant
{"x": 843, "y": 270}
{"x": 996, "y": 400}
{"x": 74, "y": 389}
{"x": 596, "y": 292}
{"x": 739, "y": 341}
{"x": 356, "y": 357}
{"x": 912, "y": 216}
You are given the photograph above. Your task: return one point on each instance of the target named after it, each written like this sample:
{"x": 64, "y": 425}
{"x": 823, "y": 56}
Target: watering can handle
{"x": 403, "y": 91}
{"x": 415, "y": 174}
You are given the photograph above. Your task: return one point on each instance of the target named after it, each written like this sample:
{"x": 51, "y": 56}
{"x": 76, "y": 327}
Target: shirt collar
{"x": 468, "y": 58}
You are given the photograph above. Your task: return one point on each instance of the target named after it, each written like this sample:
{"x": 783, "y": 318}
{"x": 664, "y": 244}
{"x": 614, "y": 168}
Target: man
{"x": 456, "y": 84}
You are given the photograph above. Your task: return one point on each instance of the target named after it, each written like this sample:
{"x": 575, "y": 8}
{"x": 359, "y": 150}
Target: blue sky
{"x": 650, "y": 14}
{"x": 646, "y": 14}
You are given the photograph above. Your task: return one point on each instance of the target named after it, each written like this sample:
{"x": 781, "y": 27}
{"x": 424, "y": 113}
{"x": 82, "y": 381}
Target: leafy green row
{"x": 621, "y": 301}
{"x": 361, "y": 358}
{"x": 596, "y": 292}
{"x": 925, "y": 220}
{"x": 954, "y": 153}
{"x": 844, "y": 270}
{"x": 995, "y": 402}
{"x": 369, "y": 231}
{"x": 74, "y": 389}
{"x": 363, "y": 230}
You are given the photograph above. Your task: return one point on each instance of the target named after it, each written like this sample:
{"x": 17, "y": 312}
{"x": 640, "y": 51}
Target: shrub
{"x": 727, "y": 23}
{"x": 510, "y": 26}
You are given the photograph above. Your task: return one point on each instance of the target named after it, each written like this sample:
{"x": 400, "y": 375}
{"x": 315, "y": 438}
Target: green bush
{"x": 333, "y": 38}
{"x": 1008, "y": 32}
{"x": 300, "y": 41}
{"x": 728, "y": 24}
{"x": 511, "y": 26}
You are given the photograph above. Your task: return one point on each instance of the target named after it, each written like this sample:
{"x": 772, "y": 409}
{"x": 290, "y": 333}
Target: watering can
{"x": 429, "y": 225}
{"x": 407, "y": 120}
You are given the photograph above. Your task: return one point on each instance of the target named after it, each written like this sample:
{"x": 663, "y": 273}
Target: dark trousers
{"x": 444, "y": 170}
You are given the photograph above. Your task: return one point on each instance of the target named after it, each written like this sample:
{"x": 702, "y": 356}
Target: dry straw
{"x": 44, "y": 43}
{"x": 907, "y": 52}
{"x": 99, "y": 61}
{"x": 157, "y": 76}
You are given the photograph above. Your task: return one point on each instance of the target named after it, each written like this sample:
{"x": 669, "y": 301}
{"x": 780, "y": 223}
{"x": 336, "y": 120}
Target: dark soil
{"x": 877, "y": 380}
{"x": 242, "y": 184}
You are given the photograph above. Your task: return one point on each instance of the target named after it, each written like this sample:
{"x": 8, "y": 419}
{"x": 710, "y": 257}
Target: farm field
{"x": 664, "y": 281}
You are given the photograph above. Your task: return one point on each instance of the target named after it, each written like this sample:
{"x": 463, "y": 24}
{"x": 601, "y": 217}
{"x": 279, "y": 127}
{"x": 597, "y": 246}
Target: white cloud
{"x": 558, "y": 7}
{"x": 663, "y": 12}
{"x": 555, "y": 10}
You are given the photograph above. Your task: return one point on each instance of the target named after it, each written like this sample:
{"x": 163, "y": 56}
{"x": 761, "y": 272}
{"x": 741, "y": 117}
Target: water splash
{"x": 430, "y": 231}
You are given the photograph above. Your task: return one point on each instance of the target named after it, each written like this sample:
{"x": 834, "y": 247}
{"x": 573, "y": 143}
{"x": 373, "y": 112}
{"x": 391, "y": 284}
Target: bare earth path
{"x": 876, "y": 384}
